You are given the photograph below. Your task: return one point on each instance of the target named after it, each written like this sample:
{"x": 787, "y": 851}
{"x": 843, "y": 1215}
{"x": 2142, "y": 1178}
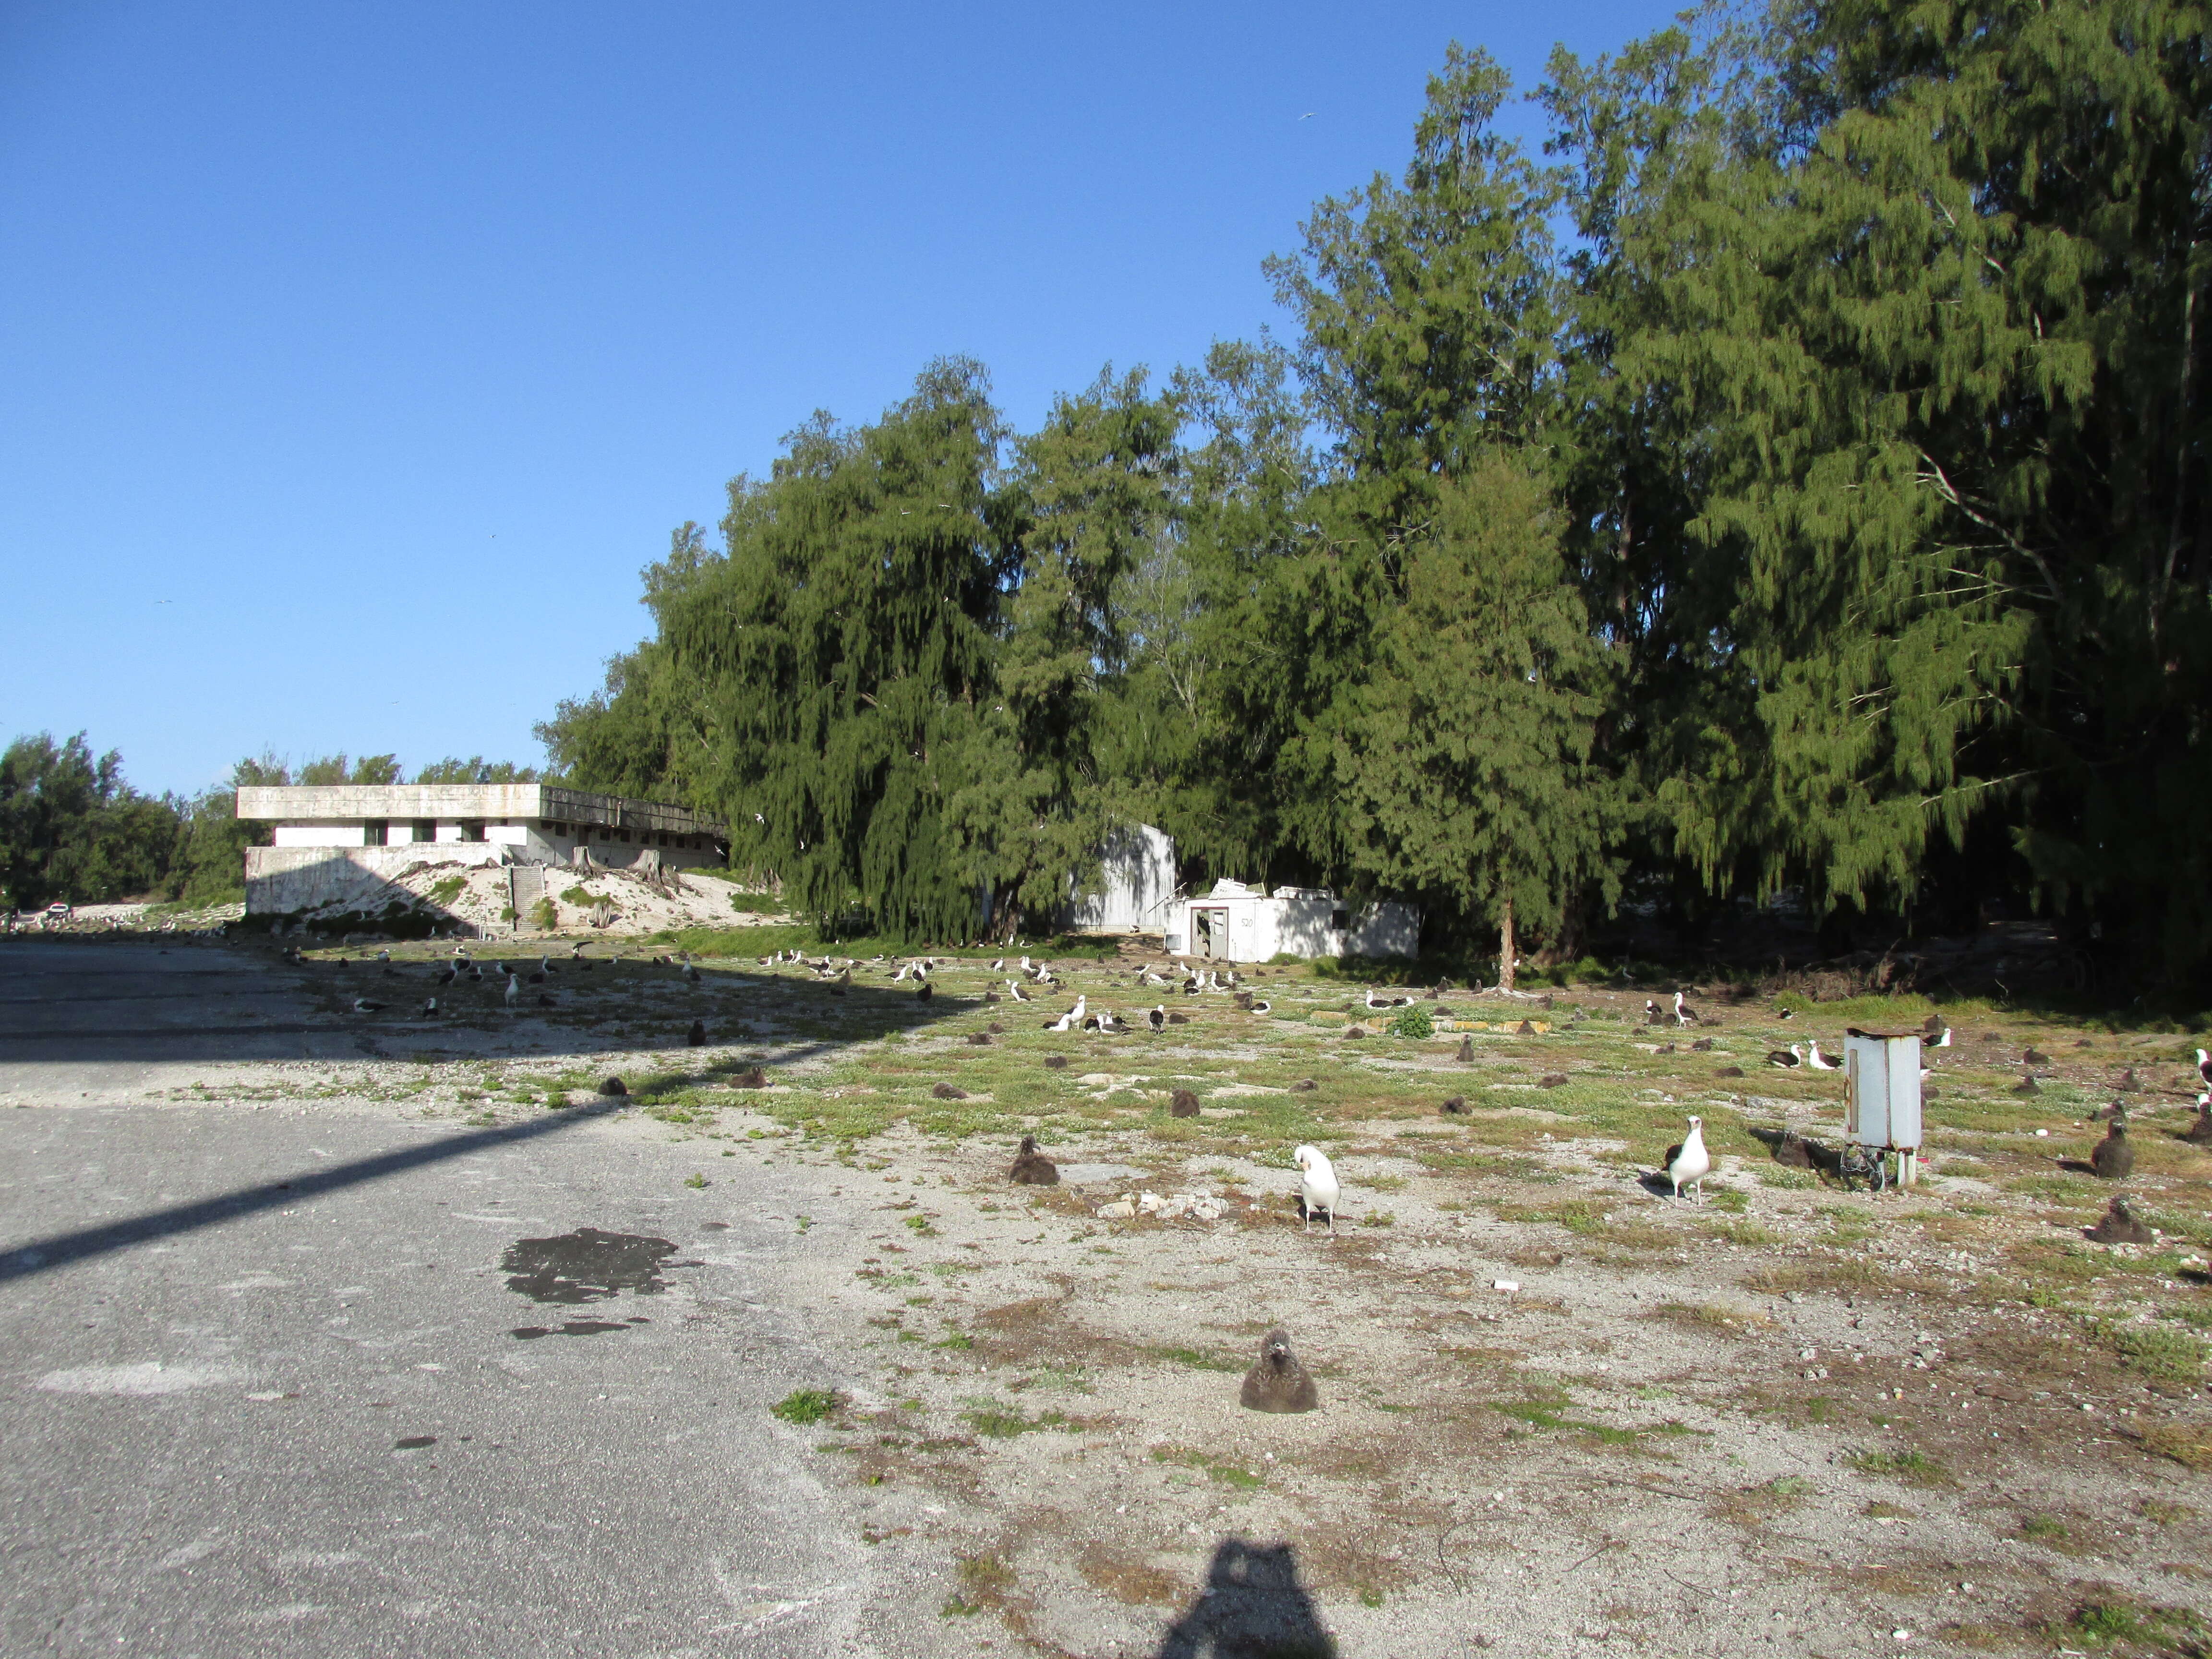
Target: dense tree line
{"x": 72, "y": 829}
{"x": 1793, "y": 475}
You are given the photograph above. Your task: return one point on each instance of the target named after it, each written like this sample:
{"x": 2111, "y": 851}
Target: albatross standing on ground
{"x": 1688, "y": 1165}
{"x": 1318, "y": 1186}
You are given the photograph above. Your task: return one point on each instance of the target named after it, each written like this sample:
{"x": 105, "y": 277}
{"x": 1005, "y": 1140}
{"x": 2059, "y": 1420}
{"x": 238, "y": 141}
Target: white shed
{"x": 1237, "y": 923}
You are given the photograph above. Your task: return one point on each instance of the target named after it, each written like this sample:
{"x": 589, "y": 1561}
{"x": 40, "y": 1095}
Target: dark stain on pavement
{"x": 573, "y": 1327}
{"x": 585, "y": 1266}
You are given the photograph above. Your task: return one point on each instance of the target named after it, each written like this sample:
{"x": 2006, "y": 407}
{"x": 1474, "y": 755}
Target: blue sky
{"x": 354, "y": 359}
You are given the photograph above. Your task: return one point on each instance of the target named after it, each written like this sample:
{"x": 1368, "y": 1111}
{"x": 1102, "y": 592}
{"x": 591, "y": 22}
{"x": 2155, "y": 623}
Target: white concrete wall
{"x": 280, "y": 880}
{"x": 1385, "y": 930}
{"x": 1260, "y": 929}
{"x": 1137, "y": 883}
{"x": 322, "y": 835}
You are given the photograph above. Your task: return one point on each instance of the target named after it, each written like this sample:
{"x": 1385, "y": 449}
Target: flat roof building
{"x": 1237, "y": 923}
{"x": 330, "y": 839}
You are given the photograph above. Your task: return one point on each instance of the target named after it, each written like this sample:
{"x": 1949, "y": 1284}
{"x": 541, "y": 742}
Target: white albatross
{"x": 1318, "y": 1185}
{"x": 1815, "y": 1058}
{"x": 1689, "y": 1164}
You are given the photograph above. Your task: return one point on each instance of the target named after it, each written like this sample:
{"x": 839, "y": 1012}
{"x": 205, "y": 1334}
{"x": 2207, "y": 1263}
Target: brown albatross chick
{"x": 1276, "y": 1383}
{"x": 2200, "y": 1128}
{"x": 1032, "y": 1168}
{"x": 2119, "y": 1225}
{"x": 2113, "y": 1157}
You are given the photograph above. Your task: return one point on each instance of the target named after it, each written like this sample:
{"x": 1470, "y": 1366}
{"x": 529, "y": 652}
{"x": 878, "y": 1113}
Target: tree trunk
{"x": 1505, "y": 946}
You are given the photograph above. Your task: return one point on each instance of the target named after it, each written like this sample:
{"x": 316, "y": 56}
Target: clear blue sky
{"x": 354, "y": 359}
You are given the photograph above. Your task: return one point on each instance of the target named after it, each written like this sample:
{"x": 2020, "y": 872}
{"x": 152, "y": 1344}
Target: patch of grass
{"x": 959, "y": 1339}
{"x": 445, "y": 890}
{"x": 1378, "y": 1218}
{"x": 996, "y": 1422}
{"x": 1228, "y": 1474}
{"x": 1197, "y": 1360}
{"x": 1742, "y": 1232}
{"x": 2113, "y": 1623}
{"x": 806, "y": 1406}
{"x": 2189, "y": 1444}
{"x": 2043, "y": 1529}
{"x": 1544, "y": 1413}
{"x": 984, "y": 1582}
{"x": 1583, "y": 1216}
{"x": 2159, "y": 1351}
{"x": 1914, "y": 1468}
{"x": 1728, "y": 1199}
{"x": 1708, "y": 1316}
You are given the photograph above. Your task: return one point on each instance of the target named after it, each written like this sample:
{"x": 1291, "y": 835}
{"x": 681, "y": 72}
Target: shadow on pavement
{"x": 39, "y": 1255}
{"x": 138, "y": 1002}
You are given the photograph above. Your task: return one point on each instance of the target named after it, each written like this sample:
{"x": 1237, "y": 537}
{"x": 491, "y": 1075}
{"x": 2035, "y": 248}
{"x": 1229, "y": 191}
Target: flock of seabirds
{"x": 1277, "y": 1382}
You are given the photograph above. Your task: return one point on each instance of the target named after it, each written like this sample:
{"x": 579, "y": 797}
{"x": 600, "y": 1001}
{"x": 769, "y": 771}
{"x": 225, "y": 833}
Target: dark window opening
{"x": 1340, "y": 920}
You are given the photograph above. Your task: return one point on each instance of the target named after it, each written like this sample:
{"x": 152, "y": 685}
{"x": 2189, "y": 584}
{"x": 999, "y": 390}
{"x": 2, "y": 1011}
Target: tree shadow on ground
{"x": 1253, "y": 1607}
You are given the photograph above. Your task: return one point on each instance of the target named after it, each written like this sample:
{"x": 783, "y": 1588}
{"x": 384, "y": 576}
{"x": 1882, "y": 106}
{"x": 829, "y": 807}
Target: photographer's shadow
{"x": 1252, "y": 1608}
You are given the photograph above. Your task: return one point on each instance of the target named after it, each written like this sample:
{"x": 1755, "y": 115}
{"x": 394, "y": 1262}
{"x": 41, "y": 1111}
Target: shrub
{"x": 1413, "y": 1021}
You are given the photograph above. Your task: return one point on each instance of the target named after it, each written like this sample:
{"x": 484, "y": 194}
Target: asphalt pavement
{"x": 305, "y": 1379}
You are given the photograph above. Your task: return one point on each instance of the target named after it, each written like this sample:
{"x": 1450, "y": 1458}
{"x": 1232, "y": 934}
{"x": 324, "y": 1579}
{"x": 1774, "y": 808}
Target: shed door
{"x": 1210, "y": 927}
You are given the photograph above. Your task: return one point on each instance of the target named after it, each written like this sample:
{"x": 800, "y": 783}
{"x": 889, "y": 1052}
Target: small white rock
{"x": 1505, "y": 1284}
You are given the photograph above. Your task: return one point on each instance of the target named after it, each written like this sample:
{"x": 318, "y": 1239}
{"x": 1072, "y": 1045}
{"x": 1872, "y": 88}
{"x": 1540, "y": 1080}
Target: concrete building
{"x": 1237, "y": 923}
{"x": 341, "y": 843}
{"x": 1137, "y": 883}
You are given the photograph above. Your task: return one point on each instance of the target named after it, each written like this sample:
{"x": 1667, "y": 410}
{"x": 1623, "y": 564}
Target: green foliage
{"x": 1466, "y": 757}
{"x": 1826, "y": 511}
{"x": 1030, "y": 805}
{"x": 1413, "y": 1021}
{"x": 71, "y": 829}
{"x": 333, "y": 769}
{"x": 475, "y": 769}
